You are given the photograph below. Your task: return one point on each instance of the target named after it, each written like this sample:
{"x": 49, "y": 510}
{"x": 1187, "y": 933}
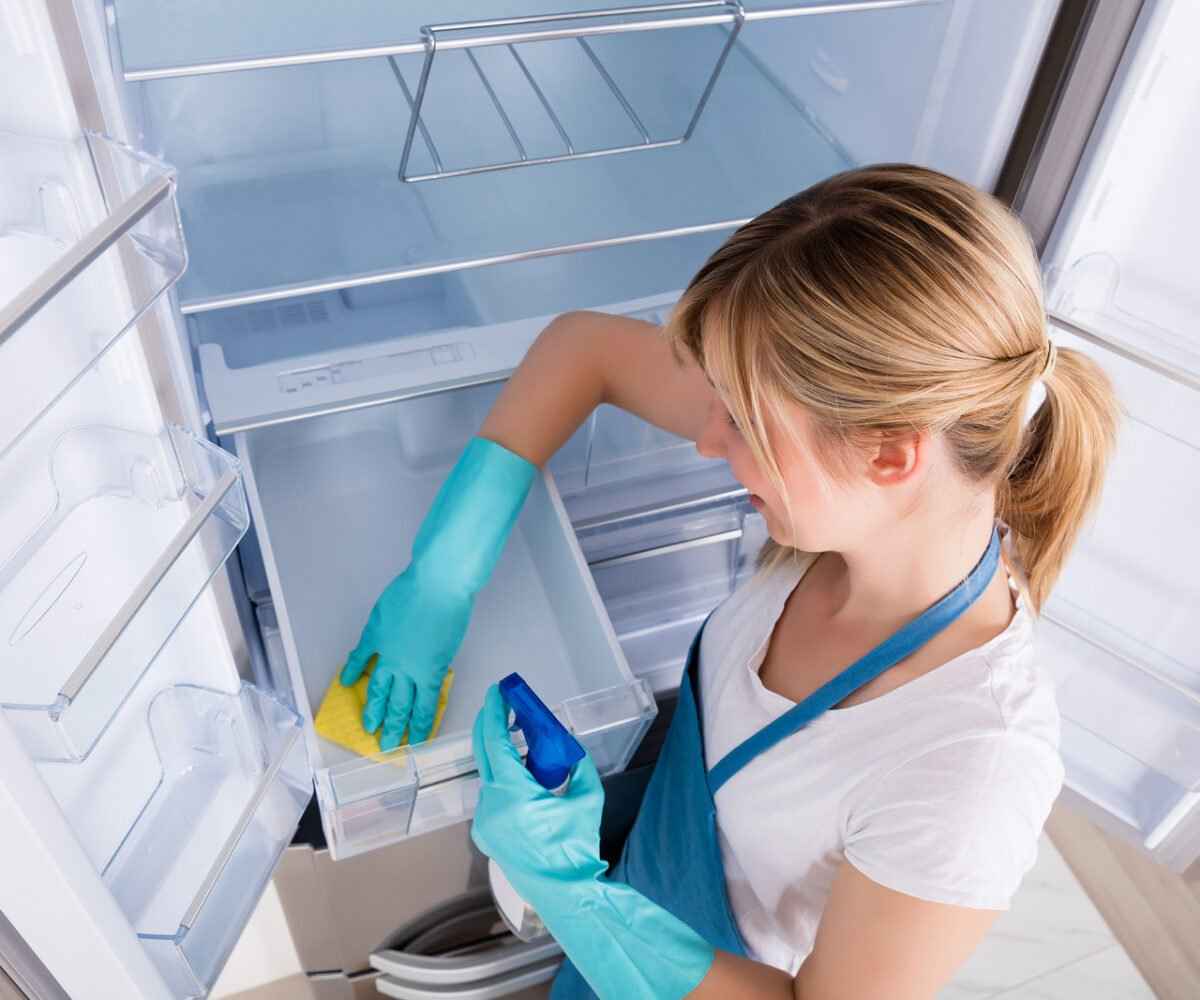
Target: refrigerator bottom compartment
{"x": 337, "y": 501}
{"x": 234, "y": 780}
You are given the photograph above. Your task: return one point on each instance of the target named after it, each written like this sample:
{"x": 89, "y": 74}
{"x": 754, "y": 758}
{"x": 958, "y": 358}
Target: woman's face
{"x": 821, "y": 512}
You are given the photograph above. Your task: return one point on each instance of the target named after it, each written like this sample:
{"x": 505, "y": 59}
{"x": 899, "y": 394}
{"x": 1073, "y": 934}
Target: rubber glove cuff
{"x": 462, "y": 536}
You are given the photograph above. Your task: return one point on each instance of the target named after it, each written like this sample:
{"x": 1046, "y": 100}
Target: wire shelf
{"x": 577, "y": 26}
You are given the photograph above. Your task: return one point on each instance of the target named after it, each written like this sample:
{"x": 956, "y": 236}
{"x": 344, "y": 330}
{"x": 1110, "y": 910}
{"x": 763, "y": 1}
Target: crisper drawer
{"x": 337, "y": 501}
{"x": 663, "y": 568}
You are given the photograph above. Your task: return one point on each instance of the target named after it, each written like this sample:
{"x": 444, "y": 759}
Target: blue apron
{"x": 672, "y": 855}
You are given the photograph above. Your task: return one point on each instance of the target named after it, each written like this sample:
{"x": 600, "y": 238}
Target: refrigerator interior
{"x": 1119, "y": 629}
{"x": 343, "y": 318}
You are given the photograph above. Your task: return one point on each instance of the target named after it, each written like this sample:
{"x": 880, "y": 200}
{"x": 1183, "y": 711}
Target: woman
{"x": 865, "y": 750}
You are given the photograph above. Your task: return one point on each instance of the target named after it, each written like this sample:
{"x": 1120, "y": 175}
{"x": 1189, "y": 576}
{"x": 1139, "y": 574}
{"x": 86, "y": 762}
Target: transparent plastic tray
{"x": 110, "y": 535}
{"x": 74, "y": 276}
{"x": 367, "y": 804}
{"x": 337, "y": 501}
{"x": 234, "y": 782}
{"x": 661, "y": 574}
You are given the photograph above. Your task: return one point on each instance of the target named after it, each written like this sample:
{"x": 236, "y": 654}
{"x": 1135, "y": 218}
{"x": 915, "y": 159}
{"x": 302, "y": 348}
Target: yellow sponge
{"x": 339, "y": 719}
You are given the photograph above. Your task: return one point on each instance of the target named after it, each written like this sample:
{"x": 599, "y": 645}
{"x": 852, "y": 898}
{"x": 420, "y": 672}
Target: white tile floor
{"x": 1052, "y": 945}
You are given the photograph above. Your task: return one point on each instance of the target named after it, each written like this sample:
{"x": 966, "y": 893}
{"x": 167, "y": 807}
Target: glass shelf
{"x": 205, "y": 36}
{"x": 111, "y": 535}
{"x": 70, "y": 282}
{"x": 289, "y": 176}
{"x": 234, "y": 782}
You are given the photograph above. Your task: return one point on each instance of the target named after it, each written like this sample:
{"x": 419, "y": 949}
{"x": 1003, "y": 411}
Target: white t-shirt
{"x": 937, "y": 789}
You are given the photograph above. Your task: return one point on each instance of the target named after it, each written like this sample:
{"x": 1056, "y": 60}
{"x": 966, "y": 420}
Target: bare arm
{"x": 584, "y": 359}
{"x": 872, "y": 943}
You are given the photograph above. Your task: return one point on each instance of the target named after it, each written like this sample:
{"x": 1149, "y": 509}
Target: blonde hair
{"x": 895, "y": 298}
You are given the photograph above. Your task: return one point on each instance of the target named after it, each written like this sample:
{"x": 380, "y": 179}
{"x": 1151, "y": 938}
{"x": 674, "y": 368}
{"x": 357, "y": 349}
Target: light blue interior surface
{"x": 289, "y": 176}
{"x": 273, "y": 331}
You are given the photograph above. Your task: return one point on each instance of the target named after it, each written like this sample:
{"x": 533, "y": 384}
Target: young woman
{"x": 865, "y": 748}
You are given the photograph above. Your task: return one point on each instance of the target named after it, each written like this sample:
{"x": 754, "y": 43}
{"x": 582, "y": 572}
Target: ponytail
{"x": 1057, "y": 478}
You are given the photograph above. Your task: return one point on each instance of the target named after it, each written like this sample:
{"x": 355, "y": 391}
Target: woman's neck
{"x": 911, "y": 565}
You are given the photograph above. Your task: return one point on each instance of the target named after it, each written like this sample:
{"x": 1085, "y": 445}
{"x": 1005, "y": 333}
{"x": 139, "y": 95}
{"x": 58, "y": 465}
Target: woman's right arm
{"x": 584, "y": 359}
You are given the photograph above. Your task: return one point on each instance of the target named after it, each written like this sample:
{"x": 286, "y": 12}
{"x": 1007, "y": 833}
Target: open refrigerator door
{"x": 147, "y": 789}
{"x": 1119, "y": 631}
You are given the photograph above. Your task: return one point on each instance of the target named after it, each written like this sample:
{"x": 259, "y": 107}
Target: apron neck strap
{"x": 883, "y": 657}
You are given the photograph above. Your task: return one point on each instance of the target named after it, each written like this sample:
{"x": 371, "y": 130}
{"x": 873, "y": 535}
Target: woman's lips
{"x": 757, "y": 501}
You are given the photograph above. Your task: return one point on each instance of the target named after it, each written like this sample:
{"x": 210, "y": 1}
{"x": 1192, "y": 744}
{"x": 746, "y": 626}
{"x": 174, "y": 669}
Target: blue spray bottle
{"x": 552, "y": 753}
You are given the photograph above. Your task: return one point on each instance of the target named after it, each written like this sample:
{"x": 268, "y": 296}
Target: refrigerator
{"x": 264, "y": 267}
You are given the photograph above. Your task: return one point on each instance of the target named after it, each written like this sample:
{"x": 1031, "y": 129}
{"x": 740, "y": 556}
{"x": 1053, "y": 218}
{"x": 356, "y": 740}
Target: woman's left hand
{"x": 545, "y": 843}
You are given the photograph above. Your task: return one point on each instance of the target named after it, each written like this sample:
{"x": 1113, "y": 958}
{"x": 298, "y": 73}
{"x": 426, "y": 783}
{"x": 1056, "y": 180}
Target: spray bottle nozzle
{"x": 553, "y": 751}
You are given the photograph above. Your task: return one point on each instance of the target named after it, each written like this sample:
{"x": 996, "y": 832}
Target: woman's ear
{"x": 896, "y": 458}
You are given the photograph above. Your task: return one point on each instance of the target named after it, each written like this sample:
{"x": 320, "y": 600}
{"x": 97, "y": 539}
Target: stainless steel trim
{"x": 120, "y": 622}
{"x": 235, "y": 836}
{"x": 537, "y": 89}
{"x": 1173, "y": 372}
{"x": 1081, "y": 61}
{"x": 507, "y": 986}
{"x": 440, "y": 970}
{"x": 488, "y": 168}
{"x": 616, "y": 91}
{"x": 52, "y": 281}
{"x": 491, "y": 92}
{"x": 435, "y": 40}
{"x": 425, "y": 270}
{"x": 662, "y": 550}
{"x": 412, "y": 108}
{"x": 419, "y": 47}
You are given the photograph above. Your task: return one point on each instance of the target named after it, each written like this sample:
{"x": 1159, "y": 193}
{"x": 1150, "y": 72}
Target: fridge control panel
{"x": 357, "y": 369}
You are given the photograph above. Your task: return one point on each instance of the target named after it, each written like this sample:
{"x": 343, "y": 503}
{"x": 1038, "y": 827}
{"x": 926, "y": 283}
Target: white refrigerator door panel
{"x": 1119, "y": 632}
{"x": 143, "y": 807}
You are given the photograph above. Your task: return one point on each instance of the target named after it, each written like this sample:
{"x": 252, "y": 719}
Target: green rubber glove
{"x": 419, "y": 621}
{"x": 548, "y": 846}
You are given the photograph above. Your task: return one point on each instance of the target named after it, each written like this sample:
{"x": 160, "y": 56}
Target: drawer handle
{"x": 662, "y": 550}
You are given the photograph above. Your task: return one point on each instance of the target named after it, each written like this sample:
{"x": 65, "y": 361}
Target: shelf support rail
{"x": 577, "y": 25}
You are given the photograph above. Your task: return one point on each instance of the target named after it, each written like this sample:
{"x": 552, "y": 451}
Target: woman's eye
{"x": 732, "y": 423}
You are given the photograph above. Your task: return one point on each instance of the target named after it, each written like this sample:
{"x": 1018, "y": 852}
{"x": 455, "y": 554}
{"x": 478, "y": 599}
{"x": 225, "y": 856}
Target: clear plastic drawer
{"x": 110, "y": 535}
{"x": 660, "y": 573}
{"x": 337, "y": 501}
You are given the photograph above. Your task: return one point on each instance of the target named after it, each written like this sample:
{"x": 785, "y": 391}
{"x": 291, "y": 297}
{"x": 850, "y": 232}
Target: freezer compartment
{"x": 60, "y": 259}
{"x": 110, "y": 536}
{"x": 234, "y": 779}
{"x": 337, "y": 501}
{"x": 661, "y": 572}
{"x": 1119, "y": 631}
